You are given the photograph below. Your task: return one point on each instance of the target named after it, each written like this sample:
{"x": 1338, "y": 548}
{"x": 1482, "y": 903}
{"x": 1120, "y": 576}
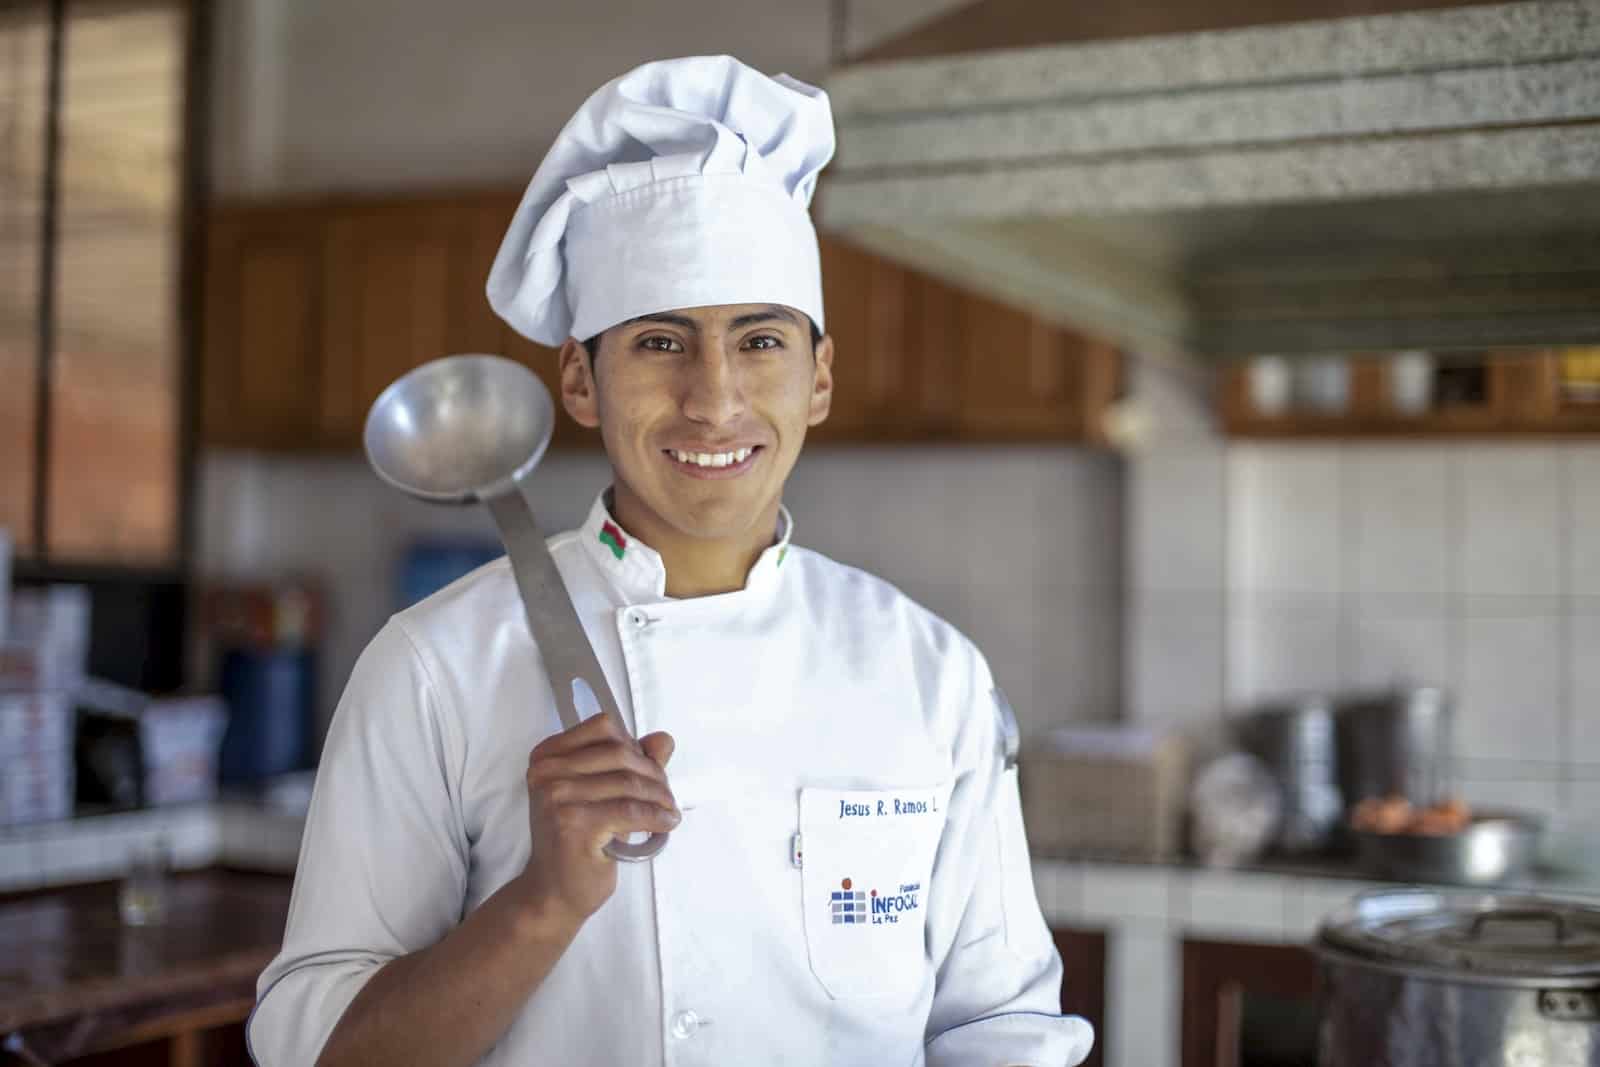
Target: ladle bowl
{"x": 460, "y": 429}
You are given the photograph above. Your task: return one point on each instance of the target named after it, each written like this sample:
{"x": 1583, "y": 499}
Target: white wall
{"x": 1257, "y": 570}
{"x": 1473, "y": 566}
{"x": 1019, "y": 547}
{"x": 1176, "y": 498}
{"x": 317, "y": 95}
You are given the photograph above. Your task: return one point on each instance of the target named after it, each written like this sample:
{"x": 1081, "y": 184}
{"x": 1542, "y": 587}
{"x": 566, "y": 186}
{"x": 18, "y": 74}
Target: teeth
{"x": 713, "y": 459}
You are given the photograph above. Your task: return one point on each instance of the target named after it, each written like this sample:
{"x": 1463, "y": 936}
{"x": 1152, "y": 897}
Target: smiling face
{"x": 703, "y": 412}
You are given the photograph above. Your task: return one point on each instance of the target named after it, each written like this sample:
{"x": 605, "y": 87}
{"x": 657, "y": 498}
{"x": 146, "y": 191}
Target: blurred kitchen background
{"x": 1230, "y": 373}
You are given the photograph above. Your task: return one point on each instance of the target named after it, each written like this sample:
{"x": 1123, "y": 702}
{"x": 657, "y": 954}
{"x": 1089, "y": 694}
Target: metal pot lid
{"x": 1490, "y": 935}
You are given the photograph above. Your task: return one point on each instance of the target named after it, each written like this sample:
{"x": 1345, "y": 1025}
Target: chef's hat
{"x": 682, "y": 183}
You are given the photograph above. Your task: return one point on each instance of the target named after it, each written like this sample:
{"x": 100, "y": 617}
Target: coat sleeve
{"x": 997, "y": 993}
{"x": 383, "y": 863}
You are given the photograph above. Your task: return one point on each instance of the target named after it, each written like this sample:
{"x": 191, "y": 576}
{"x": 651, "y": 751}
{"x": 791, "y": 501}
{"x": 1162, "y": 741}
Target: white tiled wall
{"x": 1175, "y": 627}
{"x": 1019, "y": 547}
{"x": 1473, "y": 565}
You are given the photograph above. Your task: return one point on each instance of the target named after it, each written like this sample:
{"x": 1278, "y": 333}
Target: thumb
{"x": 658, "y": 746}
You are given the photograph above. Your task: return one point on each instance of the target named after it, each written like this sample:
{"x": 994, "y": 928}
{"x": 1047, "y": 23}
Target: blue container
{"x": 270, "y": 693}
{"x": 429, "y": 566}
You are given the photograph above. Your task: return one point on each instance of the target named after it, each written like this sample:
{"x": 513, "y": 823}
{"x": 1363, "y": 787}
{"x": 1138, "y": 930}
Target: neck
{"x": 696, "y": 566}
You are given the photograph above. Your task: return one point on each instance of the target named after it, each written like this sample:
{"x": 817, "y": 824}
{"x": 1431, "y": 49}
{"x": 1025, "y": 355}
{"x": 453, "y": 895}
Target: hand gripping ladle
{"x": 472, "y": 428}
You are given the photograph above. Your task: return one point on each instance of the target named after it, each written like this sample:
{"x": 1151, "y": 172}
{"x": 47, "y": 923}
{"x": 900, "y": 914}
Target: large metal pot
{"x": 1295, "y": 739}
{"x": 1394, "y": 743}
{"x": 1416, "y": 978}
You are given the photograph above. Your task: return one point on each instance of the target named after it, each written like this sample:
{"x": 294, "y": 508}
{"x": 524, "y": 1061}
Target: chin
{"x": 714, "y": 520}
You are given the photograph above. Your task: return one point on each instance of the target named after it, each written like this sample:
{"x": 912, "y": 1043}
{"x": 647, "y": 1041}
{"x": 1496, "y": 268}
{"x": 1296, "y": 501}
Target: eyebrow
{"x": 766, "y": 314}
{"x": 769, "y": 313}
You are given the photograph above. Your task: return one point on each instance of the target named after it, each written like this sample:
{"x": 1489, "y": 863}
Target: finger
{"x": 601, "y": 757}
{"x": 658, "y": 746}
{"x": 597, "y": 824}
{"x": 595, "y": 728}
{"x": 595, "y": 789}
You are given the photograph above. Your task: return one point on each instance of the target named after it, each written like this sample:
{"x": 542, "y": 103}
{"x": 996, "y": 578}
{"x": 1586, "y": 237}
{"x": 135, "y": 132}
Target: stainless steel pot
{"x": 1394, "y": 743}
{"x": 1295, "y": 739}
{"x": 1415, "y": 978}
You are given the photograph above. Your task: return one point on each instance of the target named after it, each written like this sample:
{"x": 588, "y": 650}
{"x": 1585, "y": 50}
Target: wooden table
{"x": 75, "y": 982}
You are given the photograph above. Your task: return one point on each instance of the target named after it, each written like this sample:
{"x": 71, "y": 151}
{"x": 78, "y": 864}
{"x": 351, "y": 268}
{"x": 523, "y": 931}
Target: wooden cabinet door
{"x": 1227, "y": 985}
{"x": 1022, "y": 378}
{"x": 1083, "y": 982}
{"x": 476, "y": 327}
{"x": 396, "y": 296}
{"x": 865, "y": 305}
{"x": 260, "y": 361}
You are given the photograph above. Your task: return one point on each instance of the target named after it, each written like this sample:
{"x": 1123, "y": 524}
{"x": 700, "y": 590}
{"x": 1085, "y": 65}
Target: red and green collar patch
{"x": 613, "y": 539}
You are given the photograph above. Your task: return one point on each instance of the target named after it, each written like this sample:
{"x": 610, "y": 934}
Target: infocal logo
{"x": 849, "y": 905}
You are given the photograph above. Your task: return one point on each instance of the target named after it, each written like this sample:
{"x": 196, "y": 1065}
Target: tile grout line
{"x": 1229, "y": 603}
{"x": 1567, "y": 653}
{"x": 1455, "y": 632}
{"x": 1349, "y": 568}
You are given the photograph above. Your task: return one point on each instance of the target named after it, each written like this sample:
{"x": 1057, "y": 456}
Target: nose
{"x": 713, "y": 394}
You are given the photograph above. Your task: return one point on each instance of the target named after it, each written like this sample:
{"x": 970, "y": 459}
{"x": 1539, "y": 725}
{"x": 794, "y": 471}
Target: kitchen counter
{"x": 74, "y": 979}
{"x": 1147, "y": 909}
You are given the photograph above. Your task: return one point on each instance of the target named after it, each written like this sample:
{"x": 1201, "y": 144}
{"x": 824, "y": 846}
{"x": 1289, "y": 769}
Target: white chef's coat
{"x": 899, "y": 927}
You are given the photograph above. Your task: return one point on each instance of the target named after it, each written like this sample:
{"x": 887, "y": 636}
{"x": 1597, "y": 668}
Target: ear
{"x": 822, "y": 382}
{"x": 578, "y": 393}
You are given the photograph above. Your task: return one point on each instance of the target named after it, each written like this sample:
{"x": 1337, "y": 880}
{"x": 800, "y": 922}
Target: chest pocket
{"x": 867, "y": 858}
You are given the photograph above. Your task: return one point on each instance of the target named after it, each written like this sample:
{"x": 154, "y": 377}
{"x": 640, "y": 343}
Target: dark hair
{"x": 592, "y": 344}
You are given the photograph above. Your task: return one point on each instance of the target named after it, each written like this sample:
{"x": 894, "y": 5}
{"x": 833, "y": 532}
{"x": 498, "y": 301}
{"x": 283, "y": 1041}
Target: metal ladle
{"x": 472, "y": 428}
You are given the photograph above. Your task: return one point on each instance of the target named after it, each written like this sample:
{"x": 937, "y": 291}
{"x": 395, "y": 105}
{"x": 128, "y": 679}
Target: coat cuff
{"x": 1028, "y": 1038}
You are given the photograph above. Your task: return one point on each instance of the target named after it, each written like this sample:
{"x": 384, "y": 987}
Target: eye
{"x": 658, "y": 343}
{"x": 764, "y": 341}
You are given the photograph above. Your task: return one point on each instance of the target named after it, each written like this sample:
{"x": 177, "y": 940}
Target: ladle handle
{"x": 576, "y": 681}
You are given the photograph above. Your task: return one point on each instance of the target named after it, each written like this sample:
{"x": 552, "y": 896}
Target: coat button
{"x": 638, "y": 619}
{"x": 684, "y": 1024}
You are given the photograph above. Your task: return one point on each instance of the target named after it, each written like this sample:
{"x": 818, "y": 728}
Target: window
{"x": 91, "y": 302}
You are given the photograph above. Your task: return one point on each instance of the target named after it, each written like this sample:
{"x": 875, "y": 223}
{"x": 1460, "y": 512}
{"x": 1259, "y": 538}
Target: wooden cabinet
{"x": 261, "y": 368}
{"x": 312, "y": 308}
{"x": 1248, "y": 1005}
{"x": 1083, "y": 981}
{"x": 395, "y": 275}
{"x": 1491, "y": 393}
{"x": 1022, "y": 378}
{"x": 916, "y": 359}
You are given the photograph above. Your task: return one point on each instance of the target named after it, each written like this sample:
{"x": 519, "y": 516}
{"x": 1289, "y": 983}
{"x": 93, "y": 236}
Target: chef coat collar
{"x": 636, "y": 569}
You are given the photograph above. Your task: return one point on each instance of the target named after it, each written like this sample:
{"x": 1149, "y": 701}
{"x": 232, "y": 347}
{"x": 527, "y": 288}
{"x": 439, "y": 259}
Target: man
{"x": 846, "y": 880}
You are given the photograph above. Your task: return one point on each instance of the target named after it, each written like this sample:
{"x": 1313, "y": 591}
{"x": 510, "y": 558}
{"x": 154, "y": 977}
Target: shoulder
{"x": 461, "y": 613}
{"x": 865, "y": 618}
{"x": 872, "y": 609}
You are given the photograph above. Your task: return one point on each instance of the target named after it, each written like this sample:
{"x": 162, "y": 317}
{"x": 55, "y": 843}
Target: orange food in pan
{"x": 1397, "y": 815}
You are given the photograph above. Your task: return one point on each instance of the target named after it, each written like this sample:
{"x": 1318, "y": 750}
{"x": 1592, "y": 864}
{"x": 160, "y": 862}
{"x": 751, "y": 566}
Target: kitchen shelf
{"x": 1521, "y": 398}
